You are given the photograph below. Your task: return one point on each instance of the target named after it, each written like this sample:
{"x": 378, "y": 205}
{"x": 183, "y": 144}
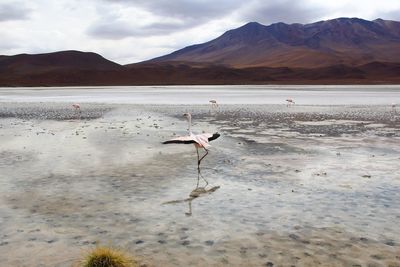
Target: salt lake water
{"x": 177, "y": 95}
{"x": 309, "y": 185}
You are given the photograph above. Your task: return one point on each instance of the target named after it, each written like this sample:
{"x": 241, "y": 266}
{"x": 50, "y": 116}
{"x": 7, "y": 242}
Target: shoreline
{"x": 231, "y": 86}
{"x": 225, "y": 95}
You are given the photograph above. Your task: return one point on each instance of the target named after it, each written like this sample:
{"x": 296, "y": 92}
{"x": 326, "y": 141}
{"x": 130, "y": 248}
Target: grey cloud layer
{"x": 191, "y": 13}
{"x": 267, "y": 12}
{"x": 194, "y": 9}
{"x": 392, "y": 15}
{"x": 13, "y": 11}
{"x": 185, "y": 14}
{"x": 116, "y": 30}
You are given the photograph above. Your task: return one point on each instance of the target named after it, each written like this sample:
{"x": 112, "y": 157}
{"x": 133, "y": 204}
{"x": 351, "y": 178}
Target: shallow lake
{"x": 307, "y": 185}
{"x": 180, "y": 95}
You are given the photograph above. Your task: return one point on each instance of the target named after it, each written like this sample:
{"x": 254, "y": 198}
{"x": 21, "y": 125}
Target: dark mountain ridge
{"x": 349, "y": 41}
{"x": 57, "y": 61}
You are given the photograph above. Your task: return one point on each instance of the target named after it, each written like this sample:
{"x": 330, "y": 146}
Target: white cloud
{"x": 10, "y": 11}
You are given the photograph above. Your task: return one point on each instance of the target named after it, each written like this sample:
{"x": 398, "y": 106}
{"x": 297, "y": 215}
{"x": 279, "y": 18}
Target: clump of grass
{"x": 107, "y": 257}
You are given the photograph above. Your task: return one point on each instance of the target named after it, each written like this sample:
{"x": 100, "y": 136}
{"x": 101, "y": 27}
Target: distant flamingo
{"x": 77, "y": 109}
{"x": 199, "y": 141}
{"x": 394, "y": 107}
{"x": 214, "y": 103}
{"x": 290, "y": 102}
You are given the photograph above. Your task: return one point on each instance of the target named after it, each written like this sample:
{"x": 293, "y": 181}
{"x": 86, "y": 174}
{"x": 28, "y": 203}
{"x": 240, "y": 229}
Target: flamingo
{"x": 394, "y": 107}
{"x": 214, "y": 103}
{"x": 199, "y": 141}
{"x": 77, "y": 109}
{"x": 290, "y": 102}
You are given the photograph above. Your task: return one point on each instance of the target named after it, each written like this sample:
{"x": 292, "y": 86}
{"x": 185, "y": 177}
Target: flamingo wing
{"x": 209, "y": 136}
{"x": 201, "y": 139}
{"x": 213, "y": 136}
{"x": 204, "y": 139}
{"x": 181, "y": 140}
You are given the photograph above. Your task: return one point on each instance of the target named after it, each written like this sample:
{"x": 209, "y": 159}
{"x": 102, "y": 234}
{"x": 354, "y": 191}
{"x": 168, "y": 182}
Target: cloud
{"x": 163, "y": 17}
{"x": 119, "y": 29}
{"x": 391, "y": 15}
{"x": 267, "y": 12}
{"x": 14, "y": 11}
{"x": 188, "y": 9}
{"x": 8, "y": 45}
{"x": 115, "y": 30}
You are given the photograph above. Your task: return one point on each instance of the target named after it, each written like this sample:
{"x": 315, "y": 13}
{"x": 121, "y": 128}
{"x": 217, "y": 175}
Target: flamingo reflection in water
{"x": 197, "y": 192}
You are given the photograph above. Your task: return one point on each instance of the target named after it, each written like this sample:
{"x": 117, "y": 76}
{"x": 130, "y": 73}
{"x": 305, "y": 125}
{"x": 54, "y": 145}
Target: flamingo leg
{"x": 198, "y": 165}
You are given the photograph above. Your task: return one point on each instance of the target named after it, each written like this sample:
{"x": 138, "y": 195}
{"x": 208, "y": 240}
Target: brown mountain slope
{"x": 349, "y": 41}
{"x": 56, "y": 62}
{"x": 181, "y": 74}
{"x": 58, "y": 68}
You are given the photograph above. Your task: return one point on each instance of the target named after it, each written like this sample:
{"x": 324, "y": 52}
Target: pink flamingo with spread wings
{"x": 199, "y": 141}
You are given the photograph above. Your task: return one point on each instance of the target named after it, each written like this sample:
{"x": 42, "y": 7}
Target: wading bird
{"x": 199, "y": 141}
{"x": 76, "y": 106}
{"x": 213, "y": 103}
{"x": 77, "y": 109}
{"x": 394, "y": 107}
{"x": 289, "y": 102}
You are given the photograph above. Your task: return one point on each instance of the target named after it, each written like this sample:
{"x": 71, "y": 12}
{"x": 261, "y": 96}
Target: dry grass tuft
{"x": 107, "y": 257}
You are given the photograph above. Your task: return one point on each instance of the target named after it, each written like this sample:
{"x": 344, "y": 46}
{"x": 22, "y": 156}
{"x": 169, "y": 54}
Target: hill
{"x": 348, "y": 41}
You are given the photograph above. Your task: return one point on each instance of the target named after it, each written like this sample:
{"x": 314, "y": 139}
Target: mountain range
{"x": 343, "y": 50}
{"x": 339, "y": 41}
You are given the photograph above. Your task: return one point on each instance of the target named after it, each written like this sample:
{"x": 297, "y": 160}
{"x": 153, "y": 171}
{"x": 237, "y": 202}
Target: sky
{"x": 128, "y": 31}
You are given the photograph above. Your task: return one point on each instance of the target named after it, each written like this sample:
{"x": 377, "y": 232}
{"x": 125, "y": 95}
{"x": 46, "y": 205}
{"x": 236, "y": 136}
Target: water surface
{"x": 308, "y": 185}
{"x": 178, "y": 95}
